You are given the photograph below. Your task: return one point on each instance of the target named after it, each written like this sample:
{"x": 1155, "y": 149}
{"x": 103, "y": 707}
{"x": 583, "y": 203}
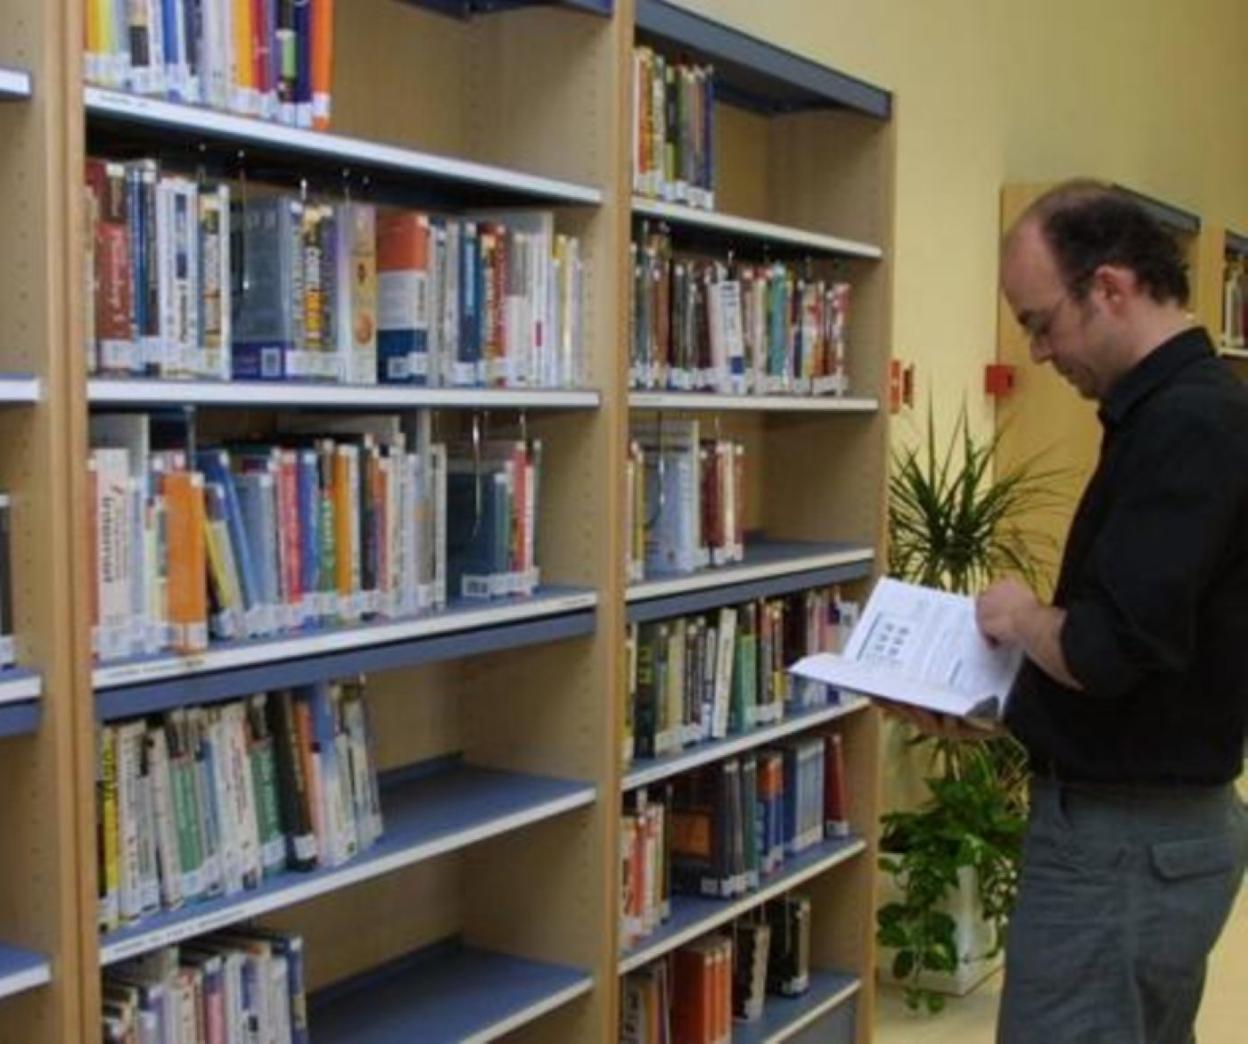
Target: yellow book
{"x": 242, "y": 79}
{"x": 106, "y": 806}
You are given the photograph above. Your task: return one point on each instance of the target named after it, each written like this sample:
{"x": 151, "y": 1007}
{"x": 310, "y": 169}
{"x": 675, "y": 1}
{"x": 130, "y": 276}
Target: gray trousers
{"x": 1122, "y": 895}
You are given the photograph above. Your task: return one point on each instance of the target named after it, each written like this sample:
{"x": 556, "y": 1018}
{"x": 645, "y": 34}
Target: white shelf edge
{"x": 705, "y": 580}
{"x": 761, "y": 230}
{"x": 14, "y": 83}
{"x": 815, "y": 1013}
{"x": 19, "y": 390}
{"x": 109, "y": 676}
{"x": 705, "y": 754}
{"x": 103, "y": 102}
{"x": 360, "y": 869}
{"x": 1234, "y": 353}
{"x": 646, "y": 400}
{"x": 103, "y": 391}
{"x": 20, "y": 982}
{"x": 532, "y": 1012}
{"x": 735, "y": 909}
{"x": 19, "y": 689}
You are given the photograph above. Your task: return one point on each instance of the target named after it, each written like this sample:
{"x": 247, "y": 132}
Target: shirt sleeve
{"x": 1169, "y": 526}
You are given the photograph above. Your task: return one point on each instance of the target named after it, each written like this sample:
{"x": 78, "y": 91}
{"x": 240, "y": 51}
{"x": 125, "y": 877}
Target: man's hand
{"x": 1002, "y": 610}
{"x": 942, "y": 726}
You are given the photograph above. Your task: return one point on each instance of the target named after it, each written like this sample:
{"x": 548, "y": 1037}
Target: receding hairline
{"x": 1059, "y": 197}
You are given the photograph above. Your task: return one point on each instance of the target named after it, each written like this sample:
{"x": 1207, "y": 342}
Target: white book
{"x": 726, "y": 638}
{"x": 129, "y": 810}
{"x": 920, "y": 646}
{"x": 167, "y": 853}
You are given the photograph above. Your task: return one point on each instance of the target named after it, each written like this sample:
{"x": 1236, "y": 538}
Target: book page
{"x": 921, "y": 646}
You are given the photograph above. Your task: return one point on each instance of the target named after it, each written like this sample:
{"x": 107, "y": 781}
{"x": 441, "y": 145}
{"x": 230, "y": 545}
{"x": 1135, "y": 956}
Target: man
{"x": 1132, "y": 700}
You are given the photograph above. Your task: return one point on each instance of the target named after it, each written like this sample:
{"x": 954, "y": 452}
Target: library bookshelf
{"x": 491, "y": 906}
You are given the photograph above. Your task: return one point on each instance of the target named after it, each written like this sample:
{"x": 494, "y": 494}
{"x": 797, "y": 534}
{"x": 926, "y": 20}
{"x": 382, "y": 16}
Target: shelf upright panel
{"x": 40, "y": 776}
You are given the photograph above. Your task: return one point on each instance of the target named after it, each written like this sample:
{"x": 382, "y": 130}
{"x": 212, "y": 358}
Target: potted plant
{"x": 950, "y": 866}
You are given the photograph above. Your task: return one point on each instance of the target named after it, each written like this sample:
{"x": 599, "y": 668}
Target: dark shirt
{"x": 1154, "y": 581}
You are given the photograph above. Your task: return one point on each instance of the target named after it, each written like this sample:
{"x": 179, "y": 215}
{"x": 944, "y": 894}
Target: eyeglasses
{"x": 1038, "y": 325}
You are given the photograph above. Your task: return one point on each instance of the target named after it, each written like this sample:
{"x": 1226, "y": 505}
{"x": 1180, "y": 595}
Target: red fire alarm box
{"x": 999, "y": 380}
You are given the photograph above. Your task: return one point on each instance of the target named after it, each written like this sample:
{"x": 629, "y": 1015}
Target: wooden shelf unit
{"x": 529, "y": 103}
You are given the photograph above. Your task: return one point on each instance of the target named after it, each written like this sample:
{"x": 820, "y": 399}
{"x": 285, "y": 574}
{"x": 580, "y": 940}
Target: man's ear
{"x": 1115, "y": 285}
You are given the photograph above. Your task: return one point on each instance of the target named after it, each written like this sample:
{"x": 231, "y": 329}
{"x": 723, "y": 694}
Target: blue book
{"x": 471, "y": 287}
{"x": 303, "y": 72}
{"x": 215, "y": 465}
{"x": 472, "y": 544}
{"x": 169, "y": 36}
{"x": 263, "y": 259}
{"x": 257, "y": 502}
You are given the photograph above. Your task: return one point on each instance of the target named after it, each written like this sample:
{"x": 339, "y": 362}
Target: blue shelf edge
{"x": 138, "y": 698}
{"x": 22, "y": 970}
{"x": 446, "y": 991}
{"x": 19, "y": 719}
{"x": 727, "y": 592}
{"x": 644, "y": 771}
{"x": 1236, "y": 243}
{"x": 785, "y": 1016}
{"x": 428, "y": 810}
{"x": 756, "y": 74}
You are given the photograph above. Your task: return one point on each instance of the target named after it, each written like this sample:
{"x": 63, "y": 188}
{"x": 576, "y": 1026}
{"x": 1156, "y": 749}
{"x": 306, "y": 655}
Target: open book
{"x": 920, "y": 646}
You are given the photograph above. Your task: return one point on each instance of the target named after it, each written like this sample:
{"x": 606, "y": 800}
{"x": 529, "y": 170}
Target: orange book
{"x": 322, "y": 61}
{"x": 242, "y": 79}
{"x": 402, "y": 296}
{"x": 347, "y": 529}
{"x": 691, "y": 1011}
{"x": 187, "y": 580}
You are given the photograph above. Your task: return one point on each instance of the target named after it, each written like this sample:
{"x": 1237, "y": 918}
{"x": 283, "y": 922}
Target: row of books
{"x": 208, "y": 801}
{"x": 703, "y": 324}
{"x": 8, "y": 652}
{"x": 196, "y": 279}
{"x": 673, "y": 129}
{"x": 1234, "y": 305}
{"x": 723, "y": 829}
{"x": 233, "y": 987}
{"x": 708, "y": 676}
{"x": 694, "y": 995}
{"x": 339, "y": 520}
{"x": 685, "y": 499}
{"x": 267, "y": 58}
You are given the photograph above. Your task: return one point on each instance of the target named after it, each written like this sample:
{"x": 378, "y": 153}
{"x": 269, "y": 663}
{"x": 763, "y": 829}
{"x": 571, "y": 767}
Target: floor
{"x": 971, "y": 1019}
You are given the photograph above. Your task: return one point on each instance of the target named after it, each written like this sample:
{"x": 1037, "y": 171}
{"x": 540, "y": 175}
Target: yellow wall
{"x": 1149, "y": 93}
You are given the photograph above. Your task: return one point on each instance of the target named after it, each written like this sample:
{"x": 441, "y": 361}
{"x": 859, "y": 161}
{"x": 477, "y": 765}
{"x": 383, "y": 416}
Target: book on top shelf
{"x": 194, "y": 279}
{"x": 271, "y": 60}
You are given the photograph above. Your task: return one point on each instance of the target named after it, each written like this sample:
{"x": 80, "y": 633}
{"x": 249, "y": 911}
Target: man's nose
{"x": 1040, "y": 350}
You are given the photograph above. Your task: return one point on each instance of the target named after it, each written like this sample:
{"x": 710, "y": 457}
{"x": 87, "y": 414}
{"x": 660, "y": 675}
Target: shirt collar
{"x": 1154, "y": 370}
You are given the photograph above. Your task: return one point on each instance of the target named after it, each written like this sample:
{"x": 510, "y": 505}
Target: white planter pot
{"x": 972, "y": 934}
